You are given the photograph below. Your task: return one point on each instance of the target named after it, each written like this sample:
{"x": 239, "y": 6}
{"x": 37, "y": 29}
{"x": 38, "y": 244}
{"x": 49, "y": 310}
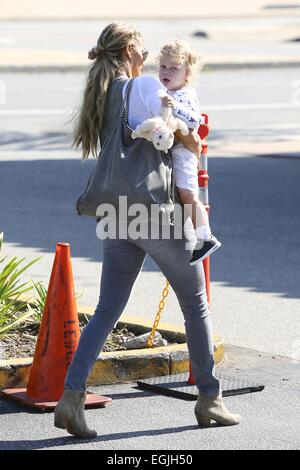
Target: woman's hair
{"x": 107, "y": 61}
{"x": 182, "y": 53}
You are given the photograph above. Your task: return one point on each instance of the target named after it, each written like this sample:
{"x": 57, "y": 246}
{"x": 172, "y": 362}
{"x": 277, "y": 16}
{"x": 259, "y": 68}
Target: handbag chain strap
{"x": 125, "y": 105}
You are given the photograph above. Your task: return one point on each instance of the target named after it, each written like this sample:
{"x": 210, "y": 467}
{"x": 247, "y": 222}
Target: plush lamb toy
{"x": 160, "y": 130}
{"x": 156, "y": 131}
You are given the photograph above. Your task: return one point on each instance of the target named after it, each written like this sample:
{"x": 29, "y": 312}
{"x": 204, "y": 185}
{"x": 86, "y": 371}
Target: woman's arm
{"x": 191, "y": 141}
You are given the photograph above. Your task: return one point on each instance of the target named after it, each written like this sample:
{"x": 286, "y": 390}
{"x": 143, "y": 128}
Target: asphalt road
{"x": 137, "y": 419}
{"x": 248, "y": 105}
{"x": 255, "y": 201}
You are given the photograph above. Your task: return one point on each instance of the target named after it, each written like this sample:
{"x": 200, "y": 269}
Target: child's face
{"x": 171, "y": 74}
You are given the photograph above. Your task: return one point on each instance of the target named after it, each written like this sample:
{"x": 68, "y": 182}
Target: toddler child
{"x": 177, "y": 67}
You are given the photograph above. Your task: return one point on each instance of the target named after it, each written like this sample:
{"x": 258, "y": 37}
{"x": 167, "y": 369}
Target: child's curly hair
{"x": 181, "y": 52}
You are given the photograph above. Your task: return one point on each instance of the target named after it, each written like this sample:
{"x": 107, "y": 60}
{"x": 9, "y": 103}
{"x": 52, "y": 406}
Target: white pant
{"x": 185, "y": 165}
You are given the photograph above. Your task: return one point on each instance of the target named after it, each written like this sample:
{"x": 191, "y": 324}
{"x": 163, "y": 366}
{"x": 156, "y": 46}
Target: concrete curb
{"x": 122, "y": 366}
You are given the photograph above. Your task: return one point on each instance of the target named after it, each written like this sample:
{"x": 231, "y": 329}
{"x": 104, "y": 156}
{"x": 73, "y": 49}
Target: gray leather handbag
{"x": 128, "y": 167}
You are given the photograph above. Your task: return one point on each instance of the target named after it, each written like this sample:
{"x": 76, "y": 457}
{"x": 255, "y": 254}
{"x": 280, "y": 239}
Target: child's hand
{"x": 168, "y": 102}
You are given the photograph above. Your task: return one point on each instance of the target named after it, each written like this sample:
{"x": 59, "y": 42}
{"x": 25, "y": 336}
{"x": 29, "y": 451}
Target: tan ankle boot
{"x": 69, "y": 414}
{"x": 208, "y": 408}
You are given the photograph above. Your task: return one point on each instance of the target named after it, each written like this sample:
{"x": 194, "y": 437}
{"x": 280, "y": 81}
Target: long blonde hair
{"x": 107, "y": 62}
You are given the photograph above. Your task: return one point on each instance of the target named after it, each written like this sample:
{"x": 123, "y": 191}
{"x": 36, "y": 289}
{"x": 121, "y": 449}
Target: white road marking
{"x": 223, "y": 107}
{"x": 7, "y": 41}
{"x": 34, "y": 112}
{"x": 251, "y": 106}
{"x": 261, "y": 125}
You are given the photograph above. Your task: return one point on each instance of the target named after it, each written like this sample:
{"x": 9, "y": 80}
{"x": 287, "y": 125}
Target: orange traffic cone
{"x": 57, "y": 341}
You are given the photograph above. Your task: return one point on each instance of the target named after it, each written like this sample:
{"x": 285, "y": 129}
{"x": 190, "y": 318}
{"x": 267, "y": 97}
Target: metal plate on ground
{"x": 177, "y": 386}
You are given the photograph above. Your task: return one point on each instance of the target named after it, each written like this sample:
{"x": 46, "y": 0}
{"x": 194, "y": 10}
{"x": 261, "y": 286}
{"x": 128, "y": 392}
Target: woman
{"x": 118, "y": 56}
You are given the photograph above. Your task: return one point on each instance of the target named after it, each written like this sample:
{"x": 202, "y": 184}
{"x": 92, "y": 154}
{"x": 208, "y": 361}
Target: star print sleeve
{"x": 189, "y": 112}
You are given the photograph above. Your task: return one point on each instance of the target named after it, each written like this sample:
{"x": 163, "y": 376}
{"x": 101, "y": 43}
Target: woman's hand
{"x": 191, "y": 141}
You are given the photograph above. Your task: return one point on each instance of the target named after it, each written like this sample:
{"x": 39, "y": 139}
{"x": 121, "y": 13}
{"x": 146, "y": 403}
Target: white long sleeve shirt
{"x": 187, "y": 106}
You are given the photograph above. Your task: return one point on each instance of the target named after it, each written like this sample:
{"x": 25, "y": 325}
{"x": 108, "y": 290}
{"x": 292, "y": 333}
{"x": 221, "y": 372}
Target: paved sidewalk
{"x": 282, "y": 148}
{"x": 35, "y": 9}
{"x": 35, "y": 37}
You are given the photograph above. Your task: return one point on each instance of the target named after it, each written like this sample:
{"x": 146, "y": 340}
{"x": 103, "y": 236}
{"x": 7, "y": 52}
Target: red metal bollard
{"x": 203, "y": 178}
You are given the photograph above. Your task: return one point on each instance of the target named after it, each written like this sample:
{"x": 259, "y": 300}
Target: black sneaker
{"x": 207, "y": 249}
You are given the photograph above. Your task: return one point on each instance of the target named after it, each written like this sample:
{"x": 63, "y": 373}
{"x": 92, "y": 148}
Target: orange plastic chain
{"x": 161, "y": 306}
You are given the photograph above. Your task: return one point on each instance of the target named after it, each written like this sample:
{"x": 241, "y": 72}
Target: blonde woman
{"x": 178, "y": 65}
{"x": 118, "y": 56}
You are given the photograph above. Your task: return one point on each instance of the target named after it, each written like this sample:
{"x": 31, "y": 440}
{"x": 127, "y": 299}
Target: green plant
{"x": 40, "y": 300}
{"x": 13, "y": 310}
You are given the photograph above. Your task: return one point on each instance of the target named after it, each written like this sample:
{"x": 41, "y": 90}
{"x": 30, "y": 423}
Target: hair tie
{"x": 95, "y": 52}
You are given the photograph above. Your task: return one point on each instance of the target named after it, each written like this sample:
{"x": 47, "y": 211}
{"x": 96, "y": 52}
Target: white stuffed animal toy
{"x": 156, "y": 131}
{"x": 160, "y": 130}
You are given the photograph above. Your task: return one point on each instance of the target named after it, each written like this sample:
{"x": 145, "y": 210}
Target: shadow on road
{"x": 69, "y": 440}
{"x": 18, "y": 141}
{"x": 255, "y": 205}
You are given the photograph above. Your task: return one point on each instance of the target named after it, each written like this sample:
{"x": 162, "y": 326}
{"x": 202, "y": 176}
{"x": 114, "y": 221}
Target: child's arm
{"x": 189, "y": 114}
{"x": 191, "y": 141}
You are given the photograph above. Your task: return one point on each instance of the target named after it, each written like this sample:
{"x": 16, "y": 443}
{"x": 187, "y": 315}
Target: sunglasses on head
{"x": 145, "y": 53}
